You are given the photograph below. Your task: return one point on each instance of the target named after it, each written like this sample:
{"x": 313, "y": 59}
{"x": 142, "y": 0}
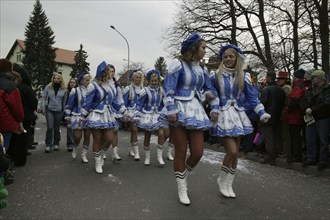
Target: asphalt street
{"x": 55, "y": 186}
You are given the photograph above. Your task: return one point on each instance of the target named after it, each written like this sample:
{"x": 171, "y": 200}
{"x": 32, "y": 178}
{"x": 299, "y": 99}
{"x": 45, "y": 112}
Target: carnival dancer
{"x": 231, "y": 82}
{"x": 119, "y": 94}
{"x": 150, "y": 105}
{"x": 76, "y": 101}
{"x": 131, "y": 95}
{"x": 184, "y": 83}
{"x": 101, "y": 104}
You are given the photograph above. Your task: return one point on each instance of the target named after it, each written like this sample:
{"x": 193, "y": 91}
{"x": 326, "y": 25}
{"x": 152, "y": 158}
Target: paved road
{"x": 55, "y": 186}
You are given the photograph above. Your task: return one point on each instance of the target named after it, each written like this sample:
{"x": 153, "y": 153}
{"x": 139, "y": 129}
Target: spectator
{"x": 283, "y": 145}
{"x": 273, "y": 98}
{"x": 19, "y": 142}
{"x": 316, "y": 104}
{"x": 53, "y": 102}
{"x": 293, "y": 116}
{"x": 12, "y": 113}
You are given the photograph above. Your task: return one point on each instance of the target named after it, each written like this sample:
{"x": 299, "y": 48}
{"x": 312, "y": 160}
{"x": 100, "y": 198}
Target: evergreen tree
{"x": 39, "y": 55}
{"x": 161, "y": 66}
{"x": 80, "y": 64}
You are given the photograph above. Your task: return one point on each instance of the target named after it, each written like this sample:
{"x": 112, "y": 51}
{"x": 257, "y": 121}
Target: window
{"x": 19, "y": 58}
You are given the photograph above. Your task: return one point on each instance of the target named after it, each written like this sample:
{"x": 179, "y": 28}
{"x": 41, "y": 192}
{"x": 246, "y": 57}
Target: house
{"x": 64, "y": 58}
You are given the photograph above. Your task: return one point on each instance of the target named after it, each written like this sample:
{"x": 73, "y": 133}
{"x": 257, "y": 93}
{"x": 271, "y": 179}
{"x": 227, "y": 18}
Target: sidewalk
{"x": 280, "y": 162}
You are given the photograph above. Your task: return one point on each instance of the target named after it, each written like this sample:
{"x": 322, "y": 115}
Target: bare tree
{"x": 274, "y": 34}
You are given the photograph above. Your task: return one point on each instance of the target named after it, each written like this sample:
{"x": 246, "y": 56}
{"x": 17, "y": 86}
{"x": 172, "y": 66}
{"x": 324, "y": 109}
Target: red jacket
{"x": 293, "y": 113}
{"x": 11, "y": 106}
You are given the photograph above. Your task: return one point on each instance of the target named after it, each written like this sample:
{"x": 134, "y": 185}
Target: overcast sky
{"x": 88, "y": 23}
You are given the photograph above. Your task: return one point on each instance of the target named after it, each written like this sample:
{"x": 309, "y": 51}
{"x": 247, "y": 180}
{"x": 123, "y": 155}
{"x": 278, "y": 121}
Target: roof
{"x": 62, "y": 55}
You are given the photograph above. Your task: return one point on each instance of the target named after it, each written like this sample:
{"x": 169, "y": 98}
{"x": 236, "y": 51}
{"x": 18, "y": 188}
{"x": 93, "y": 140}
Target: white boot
{"x": 115, "y": 155}
{"x": 170, "y": 151}
{"x": 84, "y": 155}
{"x": 222, "y": 181}
{"x": 136, "y": 152}
{"x": 98, "y": 164}
{"x": 160, "y": 156}
{"x": 181, "y": 180}
{"x": 131, "y": 150}
{"x": 147, "y": 156}
{"x": 74, "y": 152}
{"x": 230, "y": 180}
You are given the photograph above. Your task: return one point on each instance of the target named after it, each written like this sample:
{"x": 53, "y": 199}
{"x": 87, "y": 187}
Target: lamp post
{"x": 127, "y": 50}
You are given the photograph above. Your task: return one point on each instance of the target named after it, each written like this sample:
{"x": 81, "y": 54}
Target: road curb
{"x": 279, "y": 162}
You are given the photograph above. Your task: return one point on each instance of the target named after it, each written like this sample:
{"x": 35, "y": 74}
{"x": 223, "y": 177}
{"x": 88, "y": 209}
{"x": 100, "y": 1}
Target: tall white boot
{"x": 181, "y": 180}
{"x": 131, "y": 150}
{"x": 104, "y": 152}
{"x": 230, "y": 180}
{"x": 136, "y": 151}
{"x": 74, "y": 152}
{"x": 160, "y": 155}
{"x": 222, "y": 181}
{"x": 115, "y": 155}
{"x": 147, "y": 156}
{"x": 84, "y": 154}
{"x": 98, "y": 162}
{"x": 170, "y": 151}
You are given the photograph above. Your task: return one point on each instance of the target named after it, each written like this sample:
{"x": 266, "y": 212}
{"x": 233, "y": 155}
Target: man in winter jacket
{"x": 316, "y": 104}
{"x": 273, "y": 98}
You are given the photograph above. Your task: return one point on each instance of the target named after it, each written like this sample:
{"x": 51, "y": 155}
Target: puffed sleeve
{"x": 209, "y": 88}
{"x": 70, "y": 103}
{"x": 170, "y": 84}
{"x": 252, "y": 97}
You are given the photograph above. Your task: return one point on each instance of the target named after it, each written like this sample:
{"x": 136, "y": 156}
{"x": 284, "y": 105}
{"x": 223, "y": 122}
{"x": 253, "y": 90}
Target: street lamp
{"x": 127, "y": 51}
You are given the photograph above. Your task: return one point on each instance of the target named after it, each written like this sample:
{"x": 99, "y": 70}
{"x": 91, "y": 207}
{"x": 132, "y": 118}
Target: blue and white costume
{"x": 131, "y": 96}
{"x": 184, "y": 85}
{"x": 232, "y": 120}
{"x": 102, "y": 103}
{"x": 119, "y": 94}
{"x": 76, "y": 101}
{"x": 150, "y": 106}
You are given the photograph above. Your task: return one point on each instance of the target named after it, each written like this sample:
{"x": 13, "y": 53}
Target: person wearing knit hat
{"x": 77, "y": 98}
{"x": 99, "y": 112}
{"x": 185, "y": 114}
{"x": 293, "y": 117}
{"x": 131, "y": 97}
{"x": 316, "y": 105}
{"x": 299, "y": 73}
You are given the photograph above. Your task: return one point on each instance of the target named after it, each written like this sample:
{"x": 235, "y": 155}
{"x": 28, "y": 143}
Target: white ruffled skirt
{"x": 102, "y": 119}
{"x": 191, "y": 115}
{"x": 75, "y": 121}
{"x": 232, "y": 122}
{"x": 150, "y": 122}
